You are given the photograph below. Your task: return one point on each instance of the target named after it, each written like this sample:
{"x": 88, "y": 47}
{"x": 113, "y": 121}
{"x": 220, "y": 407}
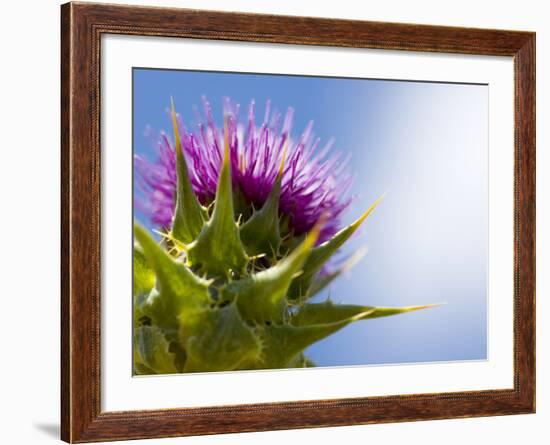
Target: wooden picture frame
{"x": 82, "y": 25}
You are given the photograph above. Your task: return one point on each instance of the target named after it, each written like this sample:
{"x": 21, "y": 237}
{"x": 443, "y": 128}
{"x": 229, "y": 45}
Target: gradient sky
{"x": 423, "y": 144}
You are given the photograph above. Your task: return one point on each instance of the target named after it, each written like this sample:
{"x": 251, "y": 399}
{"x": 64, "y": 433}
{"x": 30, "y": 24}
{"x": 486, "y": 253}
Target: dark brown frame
{"x": 82, "y": 25}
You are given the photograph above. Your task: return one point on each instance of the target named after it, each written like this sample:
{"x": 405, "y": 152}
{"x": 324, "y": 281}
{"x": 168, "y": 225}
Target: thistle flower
{"x": 315, "y": 180}
{"x": 229, "y": 287}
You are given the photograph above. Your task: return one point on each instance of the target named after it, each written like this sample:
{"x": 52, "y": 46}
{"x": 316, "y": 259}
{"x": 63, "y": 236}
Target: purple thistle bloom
{"x": 314, "y": 182}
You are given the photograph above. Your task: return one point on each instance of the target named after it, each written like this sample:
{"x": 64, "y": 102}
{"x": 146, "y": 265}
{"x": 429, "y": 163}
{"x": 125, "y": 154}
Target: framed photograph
{"x": 274, "y": 222}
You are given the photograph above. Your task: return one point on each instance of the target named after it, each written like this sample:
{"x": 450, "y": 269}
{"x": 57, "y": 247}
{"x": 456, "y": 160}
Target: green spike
{"x": 261, "y": 233}
{"x": 144, "y": 277}
{"x": 282, "y": 343}
{"x": 189, "y": 215}
{"x": 223, "y": 342}
{"x": 218, "y": 250}
{"x": 140, "y": 368}
{"x": 328, "y": 312}
{"x": 179, "y": 290}
{"x": 320, "y": 255}
{"x": 151, "y": 352}
{"x": 261, "y": 297}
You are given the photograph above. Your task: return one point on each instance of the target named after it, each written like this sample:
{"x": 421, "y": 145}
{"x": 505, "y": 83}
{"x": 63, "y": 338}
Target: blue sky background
{"x": 426, "y": 146}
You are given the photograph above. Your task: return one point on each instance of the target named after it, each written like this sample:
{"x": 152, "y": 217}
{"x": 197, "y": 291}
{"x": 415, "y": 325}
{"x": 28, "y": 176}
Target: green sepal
{"x": 321, "y": 254}
{"x": 261, "y": 234}
{"x": 144, "y": 277}
{"x": 328, "y": 312}
{"x": 151, "y": 352}
{"x": 282, "y": 343}
{"x": 218, "y": 250}
{"x": 220, "y": 341}
{"x": 261, "y": 297}
{"x": 189, "y": 215}
{"x": 141, "y": 369}
{"x": 178, "y": 288}
{"x": 138, "y": 304}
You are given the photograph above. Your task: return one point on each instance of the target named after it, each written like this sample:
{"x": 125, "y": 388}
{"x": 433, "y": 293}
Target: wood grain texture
{"x": 81, "y": 28}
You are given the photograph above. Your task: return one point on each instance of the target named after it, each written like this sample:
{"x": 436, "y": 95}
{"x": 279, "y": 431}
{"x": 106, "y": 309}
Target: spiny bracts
{"x": 229, "y": 285}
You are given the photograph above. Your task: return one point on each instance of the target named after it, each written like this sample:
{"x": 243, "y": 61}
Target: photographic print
{"x": 273, "y": 222}
{"x": 299, "y": 221}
